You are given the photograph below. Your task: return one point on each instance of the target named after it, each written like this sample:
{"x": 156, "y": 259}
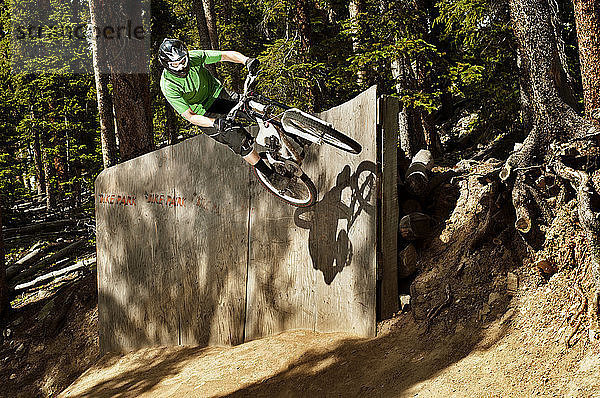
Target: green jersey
{"x": 198, "y": 90}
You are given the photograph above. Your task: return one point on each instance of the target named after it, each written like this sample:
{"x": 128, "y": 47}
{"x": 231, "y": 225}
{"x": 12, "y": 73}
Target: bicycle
{"x": 286, "y": 133}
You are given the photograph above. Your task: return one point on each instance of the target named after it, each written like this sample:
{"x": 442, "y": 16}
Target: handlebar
{"x": 243, "y": 97}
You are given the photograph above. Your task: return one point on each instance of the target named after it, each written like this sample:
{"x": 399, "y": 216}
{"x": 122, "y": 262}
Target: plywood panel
{"x": 199, "y": 253}
{"x": 172, "y": 267}
{"x": 315, "y": 268}
{"x": 212, "y": 247}
{"x": 137, "y": 285}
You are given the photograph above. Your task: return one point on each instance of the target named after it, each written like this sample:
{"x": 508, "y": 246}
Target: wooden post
{"x": 388, "y": 110}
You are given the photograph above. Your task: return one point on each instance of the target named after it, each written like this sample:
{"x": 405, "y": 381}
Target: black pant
{"x": 237, "y": 138}
{"x": 221, "y": 106}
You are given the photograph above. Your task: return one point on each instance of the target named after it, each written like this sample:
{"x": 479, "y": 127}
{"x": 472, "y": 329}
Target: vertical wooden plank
{"x": 135, "y": 240}
{"x": 315, "y": 268}
{"x": 280, "y": 286}
{"x": 389, "y": 109}
{"x": 348, "y": 222}
{"x": 212, "y": 244}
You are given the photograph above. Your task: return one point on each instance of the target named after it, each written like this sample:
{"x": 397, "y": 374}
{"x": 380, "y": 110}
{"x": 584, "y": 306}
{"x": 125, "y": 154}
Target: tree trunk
{"x": 133, "y": 113}
{"x": 232, "y": 69}
{"x": 198, "y": 8}
{"x": 60, "y": 167}
{"x": 587, "y": 19}
{"x": 355, "y": 8}
{"x": 540, "y": 63}
{"x": 40, "y": 177}
{"x": 127, "y": 63}
{"x": 302, "y": 17}
{"x": 552, "y": 119}
{"x": 171, "y": 124}
{"x": 202, "y": 25}
{"x": 4, "y": 294}
{"x": 412, "y": 138}
{"x": 211, "y": 23}
{"x": 105, "y": 110}
{"x": 50, "y": 181}
{"x": 108, "y": 139}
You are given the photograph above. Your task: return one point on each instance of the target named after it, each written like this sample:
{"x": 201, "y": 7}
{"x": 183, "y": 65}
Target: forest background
{"x": 454, "y": 64}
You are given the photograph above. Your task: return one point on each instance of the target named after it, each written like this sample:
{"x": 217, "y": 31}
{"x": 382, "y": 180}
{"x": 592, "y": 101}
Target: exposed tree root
{"x": 578, "y": 316}
{"x": 433, "y": 312}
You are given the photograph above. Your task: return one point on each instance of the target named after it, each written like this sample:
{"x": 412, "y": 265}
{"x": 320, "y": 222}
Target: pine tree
{"x": 4, "y": 294}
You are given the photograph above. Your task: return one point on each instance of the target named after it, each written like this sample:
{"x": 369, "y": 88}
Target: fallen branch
{"x": 32, "y": 257}
{"x": 48, "y": 226}
{"x": 520, "y": 199}
{"x": 49, "y": 260}
{"x": 52, "y": 275}
{"x": 44, "y": 235}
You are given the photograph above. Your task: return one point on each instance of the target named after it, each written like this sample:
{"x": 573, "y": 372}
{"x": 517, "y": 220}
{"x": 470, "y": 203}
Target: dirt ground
{"x": 51, "y": 337}
{"x": 519, "y": 354}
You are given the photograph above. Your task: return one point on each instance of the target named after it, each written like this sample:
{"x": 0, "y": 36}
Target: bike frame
{"x": 258, "y": 108}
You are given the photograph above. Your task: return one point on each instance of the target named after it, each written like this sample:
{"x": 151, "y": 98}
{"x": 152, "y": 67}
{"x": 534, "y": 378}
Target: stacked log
{"x": 417, "y": 175}
{"x": 415, "y": 225}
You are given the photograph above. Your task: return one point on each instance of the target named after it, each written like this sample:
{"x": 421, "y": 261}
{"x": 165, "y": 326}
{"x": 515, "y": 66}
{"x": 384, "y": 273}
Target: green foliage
{"x": 482, "y": 72}
{"x": 60, "y": 109}
{"x": 445, "y": 58}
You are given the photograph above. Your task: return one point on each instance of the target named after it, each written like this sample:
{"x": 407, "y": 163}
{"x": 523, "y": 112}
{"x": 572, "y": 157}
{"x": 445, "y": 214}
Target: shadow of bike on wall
{"x": 330, "y": 220}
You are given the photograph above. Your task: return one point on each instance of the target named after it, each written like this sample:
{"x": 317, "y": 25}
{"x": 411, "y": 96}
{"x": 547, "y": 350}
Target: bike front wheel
{"x": 300, "y": 191}
{"x": 322, "y": 131}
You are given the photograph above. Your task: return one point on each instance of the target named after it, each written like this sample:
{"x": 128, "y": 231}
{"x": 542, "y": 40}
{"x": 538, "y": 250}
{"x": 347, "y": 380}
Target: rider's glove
{"x": 221, "y": 125}
{"x": 253, "y": 65}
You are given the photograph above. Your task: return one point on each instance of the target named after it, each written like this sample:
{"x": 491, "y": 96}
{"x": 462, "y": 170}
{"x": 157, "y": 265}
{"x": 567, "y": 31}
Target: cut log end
{"x": 523, "y": 224}
{"x": 505, "y": 172}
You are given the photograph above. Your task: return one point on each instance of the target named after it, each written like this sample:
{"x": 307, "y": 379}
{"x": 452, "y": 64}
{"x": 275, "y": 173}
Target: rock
{"x": 512, "y": 282}
{"x": 13, "y": 376}
{"x": 494, "y": 296}
{"x": 407, "y": 261}
{"x": 546, "y": 266}
{"x": 7, "y": 333}
{"x": 484, "y": 311}
{"x": 405, "y": 302}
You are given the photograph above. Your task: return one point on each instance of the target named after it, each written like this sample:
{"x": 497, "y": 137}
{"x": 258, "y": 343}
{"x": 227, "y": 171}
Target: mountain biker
{"x": 200, "y": 98}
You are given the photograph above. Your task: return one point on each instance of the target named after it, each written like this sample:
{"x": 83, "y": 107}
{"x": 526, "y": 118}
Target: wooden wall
{"x": 204, "y": 255}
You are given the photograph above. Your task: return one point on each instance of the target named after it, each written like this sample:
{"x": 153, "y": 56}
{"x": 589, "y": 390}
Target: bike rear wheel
{"x": 324, "y": 132}
{"x": 300, "y": 192}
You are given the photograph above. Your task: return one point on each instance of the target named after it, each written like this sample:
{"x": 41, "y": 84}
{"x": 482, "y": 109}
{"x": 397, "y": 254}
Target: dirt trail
{"x": 501, "y": 360}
